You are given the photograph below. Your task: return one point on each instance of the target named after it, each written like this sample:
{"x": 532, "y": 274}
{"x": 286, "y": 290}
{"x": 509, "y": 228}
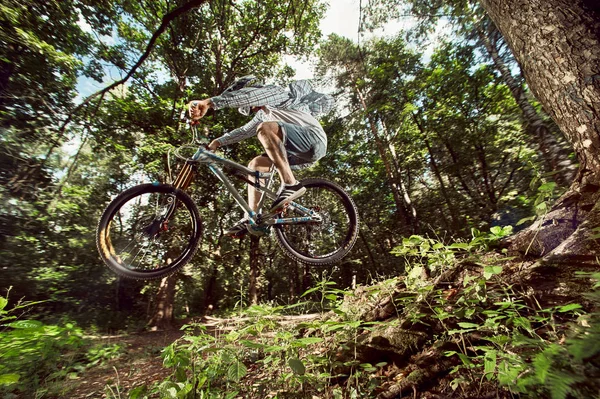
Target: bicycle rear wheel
{"x": 327, "y": 241}
{"x": 149, "y": 231}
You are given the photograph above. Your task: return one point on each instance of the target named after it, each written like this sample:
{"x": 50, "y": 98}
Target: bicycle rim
{"x": 149, "y": 232}
{"x": 327, "y": 241}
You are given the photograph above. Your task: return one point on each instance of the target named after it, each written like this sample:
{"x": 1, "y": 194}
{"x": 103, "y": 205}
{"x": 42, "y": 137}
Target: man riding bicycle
{"x": 285, "y": 124}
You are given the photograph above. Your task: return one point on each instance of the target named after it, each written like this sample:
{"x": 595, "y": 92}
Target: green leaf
{"x": 7, "y": 379}
{"x": 489, "y": 271}
{"x": 232, "y": 395}
{"x": 496, "y": 230}
{"x": 26, "y": 324}
{"x": 468, "y": 325}
{"x": 236, "y": 371}
{"x": 465, "y": 359}
{"x": 273, "y": 348}
{"x": 310, "y": 291}
{"x": 252, "y": 344}
{"x": 297, "y": 366}
{"x": 459, "y": 245}
{"x": 138, "y": 392}
{"x": 307, "y": 341}
{"x": 569, "y": 307}
{"x": 490, "y": 364}
{"x": 3, "y": 302}
{"x": 547, "y": 187}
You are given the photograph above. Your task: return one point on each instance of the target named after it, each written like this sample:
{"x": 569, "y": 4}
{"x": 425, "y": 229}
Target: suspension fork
{"x": 186, "y": 175}
{"x": 182, "y": 182}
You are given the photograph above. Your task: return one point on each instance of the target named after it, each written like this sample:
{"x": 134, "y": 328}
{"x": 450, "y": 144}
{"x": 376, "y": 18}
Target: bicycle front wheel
{"x": 327, "y": 241}
{"x": 149, "y": 231}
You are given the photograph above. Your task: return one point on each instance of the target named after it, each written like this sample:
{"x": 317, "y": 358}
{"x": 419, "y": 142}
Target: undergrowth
{"x": 493, "y": 338}
{"x": 498, "y": 338}
{"x": 36, "y": 359}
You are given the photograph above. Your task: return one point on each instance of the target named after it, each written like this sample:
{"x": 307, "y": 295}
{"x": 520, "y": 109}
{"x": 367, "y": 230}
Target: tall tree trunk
{"x": 557, "y": 44}
{"x": 555, "y": 156}
{"x": 253, "y": 290}
{"x": 294, "y": 280}
{"x": 307, "y": 279}
{"x": 414, "y": 220}
{"x": 438, "y": 175}
{"x": 401, "y": 208}
{"x": 163, "y": 316}
{"x": 367, "y": 247}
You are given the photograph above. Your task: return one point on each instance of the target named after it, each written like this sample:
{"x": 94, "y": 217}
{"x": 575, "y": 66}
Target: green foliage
{"x": 498, "y": 336}
{"x": 35, "y": 355}
{"x": 541, "y": 202}
{"x": 428, "y": 257}
{"x": 280, "y": 357}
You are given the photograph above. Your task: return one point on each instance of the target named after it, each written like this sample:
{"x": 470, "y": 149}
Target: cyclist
{"x": 284, "y": 121}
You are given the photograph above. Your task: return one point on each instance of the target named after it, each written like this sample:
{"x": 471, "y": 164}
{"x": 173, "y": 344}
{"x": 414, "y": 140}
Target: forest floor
{"x": 140, "y": 363}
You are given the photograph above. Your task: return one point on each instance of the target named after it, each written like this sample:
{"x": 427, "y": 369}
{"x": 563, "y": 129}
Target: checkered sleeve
{"x": 243, "y": 132}
{"x": 252, "y": 97}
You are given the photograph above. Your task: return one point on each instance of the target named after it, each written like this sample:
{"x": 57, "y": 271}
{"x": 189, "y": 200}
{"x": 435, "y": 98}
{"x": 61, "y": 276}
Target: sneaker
{"x": 239, "y": 230}
{"x": 287, "y": 195}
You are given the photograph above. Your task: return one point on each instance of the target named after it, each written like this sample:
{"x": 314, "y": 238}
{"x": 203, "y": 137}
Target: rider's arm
{"x": 251, "y": 97}
{"x": 243, "y": 132}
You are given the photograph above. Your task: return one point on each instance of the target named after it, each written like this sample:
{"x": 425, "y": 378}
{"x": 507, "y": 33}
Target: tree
{"x": 557, "y": 44}
{"x": 363, "y": 76}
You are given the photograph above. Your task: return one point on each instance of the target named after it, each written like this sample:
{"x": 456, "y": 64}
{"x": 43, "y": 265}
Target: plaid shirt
{"x": 300, "y": 97}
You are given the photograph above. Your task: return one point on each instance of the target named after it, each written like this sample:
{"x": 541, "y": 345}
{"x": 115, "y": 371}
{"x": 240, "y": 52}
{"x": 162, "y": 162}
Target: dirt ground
{"x": 140, "y": 364}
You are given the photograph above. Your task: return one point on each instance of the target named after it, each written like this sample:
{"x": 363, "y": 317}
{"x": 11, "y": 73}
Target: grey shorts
{"x": 304, "y": 145}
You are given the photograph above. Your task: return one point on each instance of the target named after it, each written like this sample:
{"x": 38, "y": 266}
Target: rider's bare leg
{"x": 271, "y": 137}
{"x": 261, "y": 163}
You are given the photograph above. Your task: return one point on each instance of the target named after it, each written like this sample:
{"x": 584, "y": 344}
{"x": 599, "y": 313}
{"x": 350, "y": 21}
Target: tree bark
{"x": 253, "y": 289}
{"x": 165, "y": 299}
{"x": 555, "y": 156}
{"x": 557, "y": 44}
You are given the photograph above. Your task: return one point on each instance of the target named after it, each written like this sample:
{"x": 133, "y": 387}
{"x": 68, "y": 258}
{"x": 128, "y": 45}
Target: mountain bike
{"x": 152, "y": 230}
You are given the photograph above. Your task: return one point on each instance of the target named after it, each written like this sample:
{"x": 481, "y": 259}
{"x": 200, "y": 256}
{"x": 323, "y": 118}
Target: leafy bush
{"x": 33, "y": 355}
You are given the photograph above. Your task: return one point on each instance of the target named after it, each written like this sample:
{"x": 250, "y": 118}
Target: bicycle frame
{"x": 215, "y": 164}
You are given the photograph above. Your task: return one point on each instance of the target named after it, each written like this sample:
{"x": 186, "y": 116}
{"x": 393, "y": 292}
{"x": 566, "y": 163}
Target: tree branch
{"x": 166, "y": 20}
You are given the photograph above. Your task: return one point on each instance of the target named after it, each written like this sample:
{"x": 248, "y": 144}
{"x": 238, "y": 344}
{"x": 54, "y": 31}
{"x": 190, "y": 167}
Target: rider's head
{"x": 245, "y": 81}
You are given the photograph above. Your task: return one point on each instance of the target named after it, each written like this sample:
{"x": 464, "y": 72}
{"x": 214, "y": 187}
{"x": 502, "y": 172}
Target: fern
{"x": 542, "y": 362}
{"x": 559, "y": 383}
{"x": 586, "y": 345}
